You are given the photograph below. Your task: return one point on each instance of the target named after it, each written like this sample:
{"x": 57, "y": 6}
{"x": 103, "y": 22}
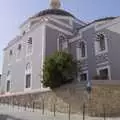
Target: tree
{"x": 58, "y": 69}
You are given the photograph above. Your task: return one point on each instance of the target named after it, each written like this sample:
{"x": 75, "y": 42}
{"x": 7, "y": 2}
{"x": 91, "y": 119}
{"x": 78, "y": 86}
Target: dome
{"x": 53, "y": 12}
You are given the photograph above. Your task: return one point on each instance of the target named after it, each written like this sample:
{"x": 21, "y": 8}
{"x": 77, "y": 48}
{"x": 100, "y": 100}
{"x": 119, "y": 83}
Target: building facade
{"x": 96, "y": 45}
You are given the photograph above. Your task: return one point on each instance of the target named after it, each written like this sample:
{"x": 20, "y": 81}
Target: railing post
{"x": 25, "y": 106}
{"x": 54, "y": 110}
{"x": 33, "y": 106}
{"x": 84, "y": 111}
{"x": 69, "y": 111}
{"x": 104, "y": 112}
{"x": 43, "y": 107}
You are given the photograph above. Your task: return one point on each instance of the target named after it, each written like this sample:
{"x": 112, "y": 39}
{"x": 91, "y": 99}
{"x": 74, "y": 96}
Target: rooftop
{"x": 52, "y": 12}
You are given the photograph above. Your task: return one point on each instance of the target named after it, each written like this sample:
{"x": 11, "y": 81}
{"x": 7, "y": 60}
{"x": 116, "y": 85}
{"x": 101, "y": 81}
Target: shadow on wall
{"x": 7, "y": 117}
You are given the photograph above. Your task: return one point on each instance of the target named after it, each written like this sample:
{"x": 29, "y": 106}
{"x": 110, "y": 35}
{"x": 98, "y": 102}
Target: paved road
{"x": 10, "y": 113}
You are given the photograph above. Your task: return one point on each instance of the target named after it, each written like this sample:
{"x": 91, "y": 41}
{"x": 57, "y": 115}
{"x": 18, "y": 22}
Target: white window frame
{"x": 104, "y": 67}
{"x": 79, "y": 52}
{"x": 18, "y": 58}
{"x": 65, "y": 45}
{"x": 26, "y": 73}
{"x": 83, "y": 72}
{"x": 8, "y": 78}
{"x": 29, "y": 54}
{"x": 58, "y": 41}
{"x": 97, "y": 51}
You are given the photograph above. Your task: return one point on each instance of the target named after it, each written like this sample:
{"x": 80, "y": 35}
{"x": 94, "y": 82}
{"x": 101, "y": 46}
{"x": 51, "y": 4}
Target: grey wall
{"x": 114, "y": 54}
{"x": 17, "y": 68}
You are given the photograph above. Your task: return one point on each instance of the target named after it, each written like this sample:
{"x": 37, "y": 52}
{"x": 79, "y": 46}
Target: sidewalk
{"x": 13, "y": 113}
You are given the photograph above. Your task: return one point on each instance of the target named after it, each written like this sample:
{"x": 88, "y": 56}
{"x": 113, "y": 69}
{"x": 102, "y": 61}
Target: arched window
{"x": 101, "y": 41}
{"x": 62, "y": 43}
{"x": 8, "y": 81}
{"x": 29, "y": 46}
{"x": 28, "y": 67}
{"x": 28, "y": 76}
{"x": 81, "y": 50}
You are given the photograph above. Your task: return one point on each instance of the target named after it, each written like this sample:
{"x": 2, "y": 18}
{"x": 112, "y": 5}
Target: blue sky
{"x": 14, "y": 12}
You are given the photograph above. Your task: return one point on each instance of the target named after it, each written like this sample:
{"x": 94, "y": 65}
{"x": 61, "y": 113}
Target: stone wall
{"x": 70, "y": 95}
{"x": 105, "y": 96}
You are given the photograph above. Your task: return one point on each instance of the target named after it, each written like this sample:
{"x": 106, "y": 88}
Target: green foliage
{"x": 58, "y": 69}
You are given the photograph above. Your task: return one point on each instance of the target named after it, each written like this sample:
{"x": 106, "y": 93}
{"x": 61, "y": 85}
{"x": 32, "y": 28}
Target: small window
{"x": 28, "y": 81}
{"x": 104, "y": 74}
{"x": 11, "y": 52}
{"x": 30, "y": 41}
{"x": 23, "y": 33}
{"x": 29, "y": 45}
{"x": 8, "y": 73}
{"x": 8, "y": 86}
{"x": 28, "y": 67}
{"x": 19, "y": 47}
{"x": 83, "y": 77}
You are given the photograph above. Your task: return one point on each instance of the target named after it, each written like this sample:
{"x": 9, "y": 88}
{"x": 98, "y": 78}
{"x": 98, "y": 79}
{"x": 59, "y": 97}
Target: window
{"x": 8, "y": 86}
{"x": 11, "y": 52}
{"x": 28, "y": 81}
{"x": 100, "y": 43}
{"x": 65, "y": 46}
{"x": 60, "y": 42}
{"x": 28, "y": 78}
{"x": 29, "y": 45}
{"x": 8, "y": 73}
{"x": 82, "y": 47}
{"x": 81, "y": 50}
{"x": 19, "y": 50}
{"x": 19, "y": 47}
{"x": 83, "y": 77}
{"x": 8, "y": 80}
{"x": 104, "y": 73}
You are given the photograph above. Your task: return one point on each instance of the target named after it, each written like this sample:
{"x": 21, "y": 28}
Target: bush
{"x": 58, "y": 69}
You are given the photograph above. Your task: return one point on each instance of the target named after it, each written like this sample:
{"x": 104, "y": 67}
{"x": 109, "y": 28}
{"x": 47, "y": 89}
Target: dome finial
{"x": 55, "y": 4}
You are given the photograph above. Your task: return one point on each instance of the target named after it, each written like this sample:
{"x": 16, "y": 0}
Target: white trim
{"x": 105, "y": 67}
{"x": 43, "y": 50}
{"x": 58, "y": 44}
{"x": 79, "y": 22}
{"x": 75, "y": 38}
{"x": 61, "y": 17}
{"x": 61, "y": 23}
{"x": 59, "y": 29}
{"x": 103, "y": 63}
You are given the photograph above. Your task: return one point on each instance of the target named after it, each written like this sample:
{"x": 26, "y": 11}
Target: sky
{"x": 14, "y": 12}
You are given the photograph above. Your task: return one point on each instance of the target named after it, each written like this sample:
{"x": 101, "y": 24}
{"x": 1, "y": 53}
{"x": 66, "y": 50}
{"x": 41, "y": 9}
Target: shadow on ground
{"x": 7, "y": 117}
